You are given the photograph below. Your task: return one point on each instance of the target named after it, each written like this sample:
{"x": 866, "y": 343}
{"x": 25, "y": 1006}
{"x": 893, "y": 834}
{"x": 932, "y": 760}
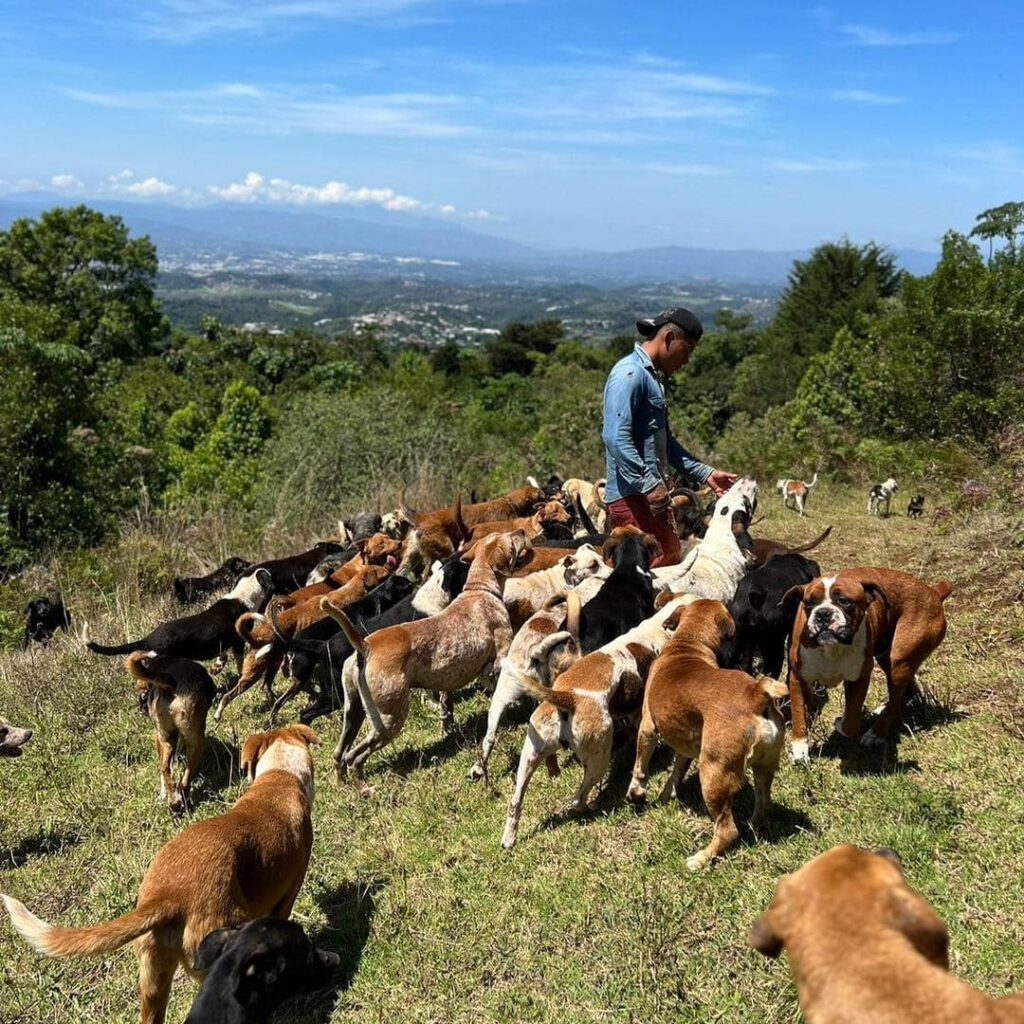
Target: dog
{"x": 864, "y": 946}
{"x": 547, "y": 516}
{"x": 252, "y": 970}
{"x": 591, "y": 499}
{"x": 247, "y": 863}
{"x": 840, "y": 623}
{"x": 714, "y": 568}
{"x": 915, "y": 507}
{"x": 578, "y": 711}
{"x": 762, "y": 627}
{"x": 207, "y": 634}
{"x": 189, "y": 589}
{"x": 43, "y": 617}
{"x": 691, "y": 515}
{"x": 881, "y": 494}
{"x": 763, "y": 550}
{"x": 724, "y": 719}
{"x": 12, "y": 739}
{"x": 289, "y": 573}
{"x": 525, "y": 595}
{"x": 359, "y": 527}
{"x": 176, "y": 694}
{"x": 795, "y": 492}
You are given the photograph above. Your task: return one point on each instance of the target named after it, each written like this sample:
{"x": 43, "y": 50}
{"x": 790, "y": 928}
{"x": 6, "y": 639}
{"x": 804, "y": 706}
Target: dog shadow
{"x": 43, "y": 843}
{"x": 217, "y": 771}
{"x": 349, "y": 908}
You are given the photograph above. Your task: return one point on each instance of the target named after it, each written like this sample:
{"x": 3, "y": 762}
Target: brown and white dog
{"x": 578, "y": 711}
{"x": 218, "y": 873}
{"x": 865, "y": 948}
{"x": 724, "y": 719}
{"x": 443, "y": 653}
{"x": 545, "y": 514}
{"x": 841, "y": 623}
{"x": 795, "y": 492}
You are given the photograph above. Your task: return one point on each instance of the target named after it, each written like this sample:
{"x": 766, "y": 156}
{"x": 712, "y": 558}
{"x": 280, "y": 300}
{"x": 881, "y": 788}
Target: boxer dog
{"x": 840, "y": 623}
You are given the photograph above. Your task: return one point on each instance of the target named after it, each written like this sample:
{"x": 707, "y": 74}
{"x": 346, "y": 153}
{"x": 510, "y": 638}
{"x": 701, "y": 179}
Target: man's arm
{"x": 621, "y": 397}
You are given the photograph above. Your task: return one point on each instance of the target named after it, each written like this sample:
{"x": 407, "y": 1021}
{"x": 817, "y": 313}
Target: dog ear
{"x": 763, "y": 935}
{"x": 663, "y": 599}
{"x": 651, "y": 545}
{"x": 875, "y": 591}
{"x": 611, "y": 545}
{"x": 791, "y": 601}
{"x": 305, "y": 733}
{"x": 724, "y": 622}
{"x": 671, "y": 624}
{"x": 927, "y": 932}
{"x": 213, "y": 947}
{"x": 252, "y": 751}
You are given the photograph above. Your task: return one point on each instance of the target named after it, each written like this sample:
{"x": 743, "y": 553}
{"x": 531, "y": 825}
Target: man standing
{"x": 638, "y": 443}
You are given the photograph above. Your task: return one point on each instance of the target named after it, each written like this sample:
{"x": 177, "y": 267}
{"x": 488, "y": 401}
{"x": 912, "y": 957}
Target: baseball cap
{"x": 682, "y": 318}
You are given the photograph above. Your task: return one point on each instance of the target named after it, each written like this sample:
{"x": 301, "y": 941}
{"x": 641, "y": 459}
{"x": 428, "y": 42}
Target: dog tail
{"x": 99, "y": 938}
{"x": 460, "y": 523}
{"x": 813, "y": 544}
{"x": 774, "y": 688}
{"x": 245, "y": 624}
{"x": 564, "y": 700}
{"x": 128, "y": 648}
{"x": 348, "y": 627}
{"x": 572, "y": 615}
{"x": 943, "y": 588}
{"x": 813, "y": 481}
{"x": 145, "y": 675}
{"x": 585, "y": 521}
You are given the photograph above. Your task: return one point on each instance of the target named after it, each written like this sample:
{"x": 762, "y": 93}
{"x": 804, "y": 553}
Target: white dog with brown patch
{"x": 795, "y": 492}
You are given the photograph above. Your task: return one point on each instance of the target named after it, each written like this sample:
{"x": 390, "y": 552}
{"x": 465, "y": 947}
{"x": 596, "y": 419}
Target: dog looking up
{"x": 253, "y": 860}
{"x": 722, "y": 718}
{"x": 12, "y": 739}
{"x": 863, "y": 946}
{"x": 881, "y": 494}
{"x": 795, "y": 492}
{"x": 43, "y": 617}
{"x": 176, "y": 694}
{"x": 252, "y": 970}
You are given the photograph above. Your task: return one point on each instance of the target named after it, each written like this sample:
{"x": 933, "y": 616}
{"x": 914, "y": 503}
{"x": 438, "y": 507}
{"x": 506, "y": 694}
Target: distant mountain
{"x": 221, "y": 230}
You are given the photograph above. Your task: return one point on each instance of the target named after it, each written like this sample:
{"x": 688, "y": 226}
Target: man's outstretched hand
{"x": 720, "y": 481}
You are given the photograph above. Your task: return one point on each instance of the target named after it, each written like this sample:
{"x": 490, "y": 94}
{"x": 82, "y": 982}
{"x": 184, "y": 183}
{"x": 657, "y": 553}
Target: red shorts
{"x": 633, "y": 510}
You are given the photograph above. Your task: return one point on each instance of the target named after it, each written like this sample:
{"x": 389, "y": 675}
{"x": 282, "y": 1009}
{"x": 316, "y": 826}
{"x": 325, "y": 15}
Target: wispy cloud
{"x": 865, "y": 96}
{"x": 868, "y": 35}
{"x": 66, "y": 182}
{"x": 818, "y": 164}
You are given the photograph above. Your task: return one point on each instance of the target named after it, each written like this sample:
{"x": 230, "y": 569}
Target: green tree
{"x": 1005, "y": 222}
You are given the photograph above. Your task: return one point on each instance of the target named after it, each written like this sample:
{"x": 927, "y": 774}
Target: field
{"x": 586, "y": 920}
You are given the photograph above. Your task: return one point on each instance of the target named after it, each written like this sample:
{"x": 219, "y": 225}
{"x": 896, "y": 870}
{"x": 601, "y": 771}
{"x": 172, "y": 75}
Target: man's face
{"x": 679, "y": 347}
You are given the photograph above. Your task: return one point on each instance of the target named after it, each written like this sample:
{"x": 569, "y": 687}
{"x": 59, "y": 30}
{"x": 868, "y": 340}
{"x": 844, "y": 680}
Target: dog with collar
{"x": 842, "y": 624}
{"x": 881, "y": 494}
{"x": 724, "y": 719}
{"x": 247, "y": 863}
{"x": 443, "y": 653}
{"x": 864, "y": 946}
{"x": 795, "y": 492}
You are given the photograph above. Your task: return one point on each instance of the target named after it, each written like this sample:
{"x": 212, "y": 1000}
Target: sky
{"x": 597, "y": 124}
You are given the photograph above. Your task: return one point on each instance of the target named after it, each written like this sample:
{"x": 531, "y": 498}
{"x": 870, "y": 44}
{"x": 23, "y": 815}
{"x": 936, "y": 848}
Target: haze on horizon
{"x": 599, "y": 125}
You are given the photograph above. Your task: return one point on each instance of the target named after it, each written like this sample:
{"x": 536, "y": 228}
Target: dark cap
{"x": 682, "y": 318}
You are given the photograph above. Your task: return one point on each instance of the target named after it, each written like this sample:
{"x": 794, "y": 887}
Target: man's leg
{"x": 634, "y": 511}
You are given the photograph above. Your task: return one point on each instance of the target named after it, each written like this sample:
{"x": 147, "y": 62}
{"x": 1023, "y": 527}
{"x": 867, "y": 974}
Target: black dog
{"x": 762, "y": 625}
{"x": 361, "y": 526}
{"x": 43, "y": 617}
{"x": 627, "y": 597}
{"x": 915, "y": 507}
{"x": 188, "y": 589}
{"x": 207, "y": 634}
{"x": 253, "y": 969}
{"x": 288, "y": 574}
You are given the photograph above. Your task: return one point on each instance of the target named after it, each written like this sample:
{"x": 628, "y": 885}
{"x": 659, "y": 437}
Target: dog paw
{"x": 637, "y": 794}
{"x": 697, "y": 861}
{"x": 871, "y": 739}
{"x": 476, "y": 773}
{"x": 840, "y": 727}
{"x": 508, "y": 840}
{"x": 800, "y": 752}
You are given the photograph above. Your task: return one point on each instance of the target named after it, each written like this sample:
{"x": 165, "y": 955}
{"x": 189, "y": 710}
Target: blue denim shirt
{"x": 635, "y": 413}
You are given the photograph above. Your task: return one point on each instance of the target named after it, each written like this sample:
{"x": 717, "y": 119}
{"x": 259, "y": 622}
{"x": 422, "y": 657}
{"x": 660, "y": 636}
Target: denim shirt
{"x": 635, "y": 420}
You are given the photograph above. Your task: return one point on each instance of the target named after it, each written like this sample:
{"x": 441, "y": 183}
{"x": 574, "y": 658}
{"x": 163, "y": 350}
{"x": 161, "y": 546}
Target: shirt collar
{"x": 645, "y": 361}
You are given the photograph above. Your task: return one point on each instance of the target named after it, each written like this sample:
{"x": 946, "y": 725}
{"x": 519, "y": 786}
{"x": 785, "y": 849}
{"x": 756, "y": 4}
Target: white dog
{"x": 880, "y": 493}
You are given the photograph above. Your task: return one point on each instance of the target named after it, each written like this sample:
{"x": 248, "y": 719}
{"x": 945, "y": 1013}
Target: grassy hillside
{"x": 586, "y": 920}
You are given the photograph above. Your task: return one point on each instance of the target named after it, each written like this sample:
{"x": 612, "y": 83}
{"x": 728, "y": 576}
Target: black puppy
{"x": 288, "y": 574}
{"x": 43, "y": 617}
{"x": 253, "y": 969}
{"x": 762, "y": 626}
{"x": 627, "y": 597}
{"x": 188, "y": 589}
{"x": 915, "y": 507}
{"x": 207, "y": 634}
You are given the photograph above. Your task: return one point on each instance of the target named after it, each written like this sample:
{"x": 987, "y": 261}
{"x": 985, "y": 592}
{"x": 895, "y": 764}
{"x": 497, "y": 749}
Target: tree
{"x": 99, "y": 281}
{"x": 1006, "y": 222}
{"x": 516, "y": 348}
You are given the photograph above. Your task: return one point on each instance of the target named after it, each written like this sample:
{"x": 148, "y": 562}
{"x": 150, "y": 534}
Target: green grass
{"x": 586, "y": 920}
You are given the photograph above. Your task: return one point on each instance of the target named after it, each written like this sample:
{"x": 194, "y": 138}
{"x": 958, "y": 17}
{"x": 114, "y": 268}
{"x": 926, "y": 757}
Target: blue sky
{"x": 600, "y": 124}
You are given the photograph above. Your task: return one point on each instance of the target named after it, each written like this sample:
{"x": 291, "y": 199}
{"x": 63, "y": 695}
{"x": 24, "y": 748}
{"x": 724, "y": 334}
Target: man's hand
{"x": 720, "y": 481}
{"x": 658, "y": 500}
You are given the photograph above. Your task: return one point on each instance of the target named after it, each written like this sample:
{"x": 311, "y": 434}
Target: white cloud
{"x": 65, "y": 181}
{"x": 125, "y": 175}
{"x": 867, "y": 35}
{"x": 864, "y": 96}
{"x": 816, "y": 164}
{"x": 149, "y": 188}
{"x": 256, "y": 188}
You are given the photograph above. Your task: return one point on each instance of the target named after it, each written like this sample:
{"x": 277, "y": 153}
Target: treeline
{"x": 105, "y": 405}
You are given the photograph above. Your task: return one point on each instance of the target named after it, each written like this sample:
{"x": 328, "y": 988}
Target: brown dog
{"x": 218, "y": 873}
{"x": 547, "y": 513}
{"x": 865, "y": 948}
{"x": 177, "y": 695}
{"x": 724, "y": 718}
{"x": 444, "y": 652}
{"x": 840, "y": 623}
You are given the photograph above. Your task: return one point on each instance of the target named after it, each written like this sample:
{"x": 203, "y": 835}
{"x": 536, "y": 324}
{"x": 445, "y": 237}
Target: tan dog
{"x": 443, "y": 653}
{"x": 177, "y": 695}
{"x": 795, "y": 492}
{"x": 547, "y": 513}
{"x": 218, "y": 873}
{"x": 591, "y": 497}
{"x": 865, "y": 948}
{"x": 578, "y": 711}
{"x": 841, "y": 623}
{"x": 724, "y": 718}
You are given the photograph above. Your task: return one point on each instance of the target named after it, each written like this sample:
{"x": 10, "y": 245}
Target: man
{"x": 638, "y": 443}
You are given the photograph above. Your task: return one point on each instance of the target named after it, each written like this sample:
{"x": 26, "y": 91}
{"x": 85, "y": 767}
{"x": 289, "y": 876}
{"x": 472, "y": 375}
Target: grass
{"x": 593, "y": 919}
